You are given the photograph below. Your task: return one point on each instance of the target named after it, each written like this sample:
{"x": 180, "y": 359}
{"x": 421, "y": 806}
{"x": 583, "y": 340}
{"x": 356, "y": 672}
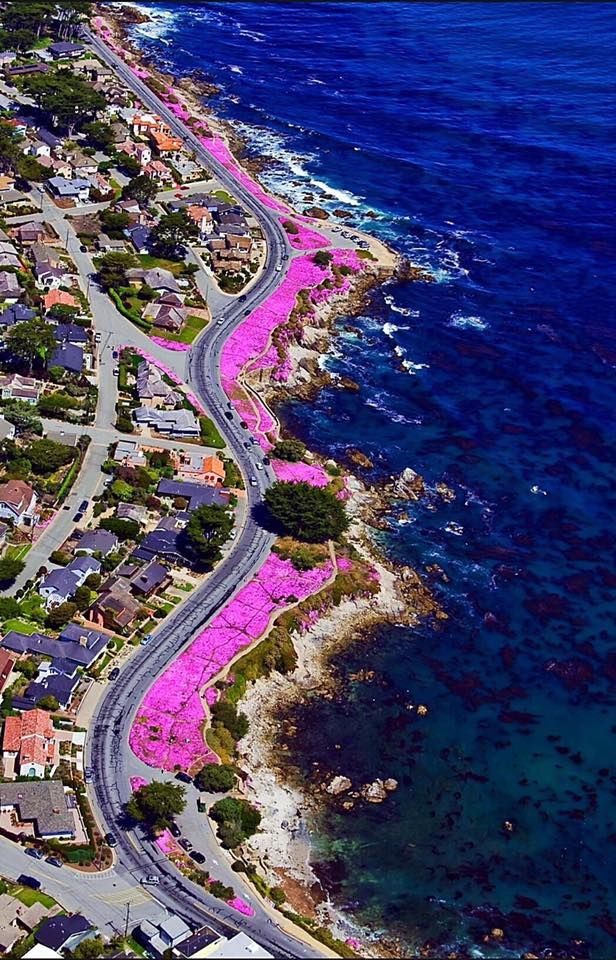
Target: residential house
{"x": 7, "y": 430}
{"x": 59, "y": 685}
{"x": 115, "y": 607}
{"x": 18, "y": 502}
{"x": 162, "y": 935}
{"x": 202, "y": 944}
{"x": 139, "y": 236}
{"x": 7, "y": 662}
{"x": 17, "y": 919}
{"x": 106, "y": 245}
{"x": 15, "y": 387}
{"x": 133, "y": 511}
{"x": 202, "y": 218}
{"x": 28, "y": 70}
{"x": 53, "y": 142}
{"x": 50, "y": 277}
{"x": 76, "y": 644}
{"x": 70, "y": 333}
{"x": 63, "y": 49}
{"x": 98, "y": 541}
{"x": 166, "y": 315}
{"x": 198, "y": 468}
{"x": 69, "y": 356}
{"x": 56, "y": 587}
{"x": 129, "y": 453}
{"x": 163, "y": 543}
{"x": 157, "y": 170}
{"x": 101, "y": 185}
{"x": 57, "y": 167}
{"x": 197, "y": 494}
{"x": 83, "y": 165}
{"x": 65, "y": 932}
{"x": 17, "y": 313}
{"x": 199, "y": 944}
{"x": 140, "y": 151}
{"x": 153, "y": 388}
{"x": 10, "y": 288}
{"x": 37, "y": 148}
{"x": 7, "y": 182}
{"x": 59, "y": 298}
{"x": 151, "y": 577}
{"x": 164, "y": 144}
{"x": 157, "y": 278}
{"x": 145, "y": 123}
{"x": 30, "y": 232}
{"x": 128, "y": 206}
{"x": 119, "y": 131}
{"x": 6, "y": 57}
{"x": 42, "y": 252}
{"x": 42, "y": 803}
{"x": 176, "y": 423}
{"x": 29, "y": 741}
{"x": 77, "y": 189}
{"x": 9, "y": 257}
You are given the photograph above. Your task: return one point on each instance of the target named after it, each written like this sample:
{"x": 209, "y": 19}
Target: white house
{"x": 17, "y": 502}
{"x": 59, "y": 585}
{"x": 77, "y": 189}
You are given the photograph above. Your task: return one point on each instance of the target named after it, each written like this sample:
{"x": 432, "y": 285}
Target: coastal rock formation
{"x": 359, "y": 458}
{"x": 445, "y": 492}
{"x": 409, "y": 485}
{"x": 342, "y": 214}
{"x": 317, "y": 212}
{"x": 130, "y": 15}
{"x": 347, "y": 383}
{"x": 408, "y": 271}
{"x": 338, "y": 785}
{"x": 378, "y": 790}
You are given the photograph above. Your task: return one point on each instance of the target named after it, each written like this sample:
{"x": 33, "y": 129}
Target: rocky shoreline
{"x": 282, "y": 848}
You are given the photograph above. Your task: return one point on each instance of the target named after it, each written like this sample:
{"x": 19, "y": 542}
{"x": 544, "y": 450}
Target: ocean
{"x": 481, "y": 136}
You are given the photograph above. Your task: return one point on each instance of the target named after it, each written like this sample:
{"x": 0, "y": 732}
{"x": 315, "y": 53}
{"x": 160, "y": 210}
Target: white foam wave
{"x": 235, "y": 69}
{"x": 454, "y": 528}
{"x": 461, "y": 321}
{"x": 403, "y": 311}
{"x": 161, "y": 22}
{"x": 314, "y": 80}
{"x": 413, "y": 368}
{"x": 344, "y": 196}
{"x": 389, "y": 329}
{"x": 399, "y": 351}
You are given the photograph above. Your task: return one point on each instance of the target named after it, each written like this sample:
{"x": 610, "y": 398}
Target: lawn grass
{"x": 21, "y": 626}
{"x": 188, "y": 333}
{"x": 185, "y": 587}
{"x": 210, "y": 437}
{"x": 224, "y": 196}
{"x": 32, "y": 607}
{"x": 28, "y": 896}
{"x": 17, "y": 551}
{"x": 150, "y": 262}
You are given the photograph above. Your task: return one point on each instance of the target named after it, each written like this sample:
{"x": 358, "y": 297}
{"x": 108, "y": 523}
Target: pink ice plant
{"x": 136, "y": 783}
{"x": 313, "y": 474}
{"x": 210, "y": 696}
{"x": 344, "y": 564}
{"x": 238, "y": 904}
{"x": 171, "y": 344}
{"x": 168, "y": 730}
{"x": 307, "y": 239}
{"x": 166, "y": 843}
{"x": 220, "y": 151}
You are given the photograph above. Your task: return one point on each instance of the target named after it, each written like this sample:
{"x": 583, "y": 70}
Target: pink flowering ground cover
{"x": 171, "y": 344}
{"x": 136, "y": 783}
{"x": 168, "y": 729}
{"x": 220, "y": 151}
{"x": 344, "y": 564}
{"x": 307, "y": 239}
{"x": 166, "y": 843}
{"x": 314, "y": 474}
{"x": 238, "y": 904}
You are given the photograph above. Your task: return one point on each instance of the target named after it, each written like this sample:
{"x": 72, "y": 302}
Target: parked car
{"x": 98, "y": 337}
{"x": 27, "y": 881}
{"x": 114, "y": 674}
{"x": 183, "y": 777}
{"x": 243, "y": 425}
{"x": 151, "y": 880}
{"x": 115, "y": 354}
{"x": 185, "y": 844}
{"x": 34, "y": 852}
{"x": 247, "y": 444}
{"x": 197, "y": 856}
{"x": 259, "y": 466}
{"x": 232, "y": 535}
{"x": 54, "y": 861}
{"x": 266, "y": 461}
{"x": 174, "y": 830}
{"x": 78, "y": 516}
{"x": 83, "y": 506}
{"x": 89, "y": 774}
{"x": 220, "y": 322}
{"x": 242, "y": 298}
{"x": 83, "y": 248}
{"x": 228, "y": 415}
{"x": 253, "y": 481}
{"x": 145, "y": 640}
{"x": 116, "y": 371}
{"x": 110, "y": 840}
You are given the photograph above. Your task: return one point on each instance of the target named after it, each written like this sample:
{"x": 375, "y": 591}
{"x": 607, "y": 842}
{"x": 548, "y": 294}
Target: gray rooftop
{"x": 42, "y": 801}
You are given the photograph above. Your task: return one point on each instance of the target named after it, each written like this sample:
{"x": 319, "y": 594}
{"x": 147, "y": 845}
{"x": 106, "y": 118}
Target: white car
{"x": 151, "y": 880}
{"x": 116, "y": 371}
{"x": 98, "y": 337}
{"x": 259, "y": 466}
{"x": 220, "y": 322}
{"x": 253, "y": 481}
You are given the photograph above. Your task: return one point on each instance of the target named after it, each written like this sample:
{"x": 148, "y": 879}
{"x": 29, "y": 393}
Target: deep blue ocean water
{"x": 482, "y": 135}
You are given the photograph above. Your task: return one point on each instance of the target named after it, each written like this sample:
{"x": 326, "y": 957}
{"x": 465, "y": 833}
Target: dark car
{"x": 34, "y": 852}
{"x": 246, "y": 312}
{"x": 83, "y": 248}
{"x": 114, "y": 674}
{"x": 242, "y": 298}
{"x": 83, "y": 506}
{"x": 54, "y": 861}
{"x": 114, "y": 354}
{"x": 27, "y": 881}
{"x": 185, "y": 844}
{"x": 110, "y": 840}
{"x": 266, "y": 461}
{"x": 243, "y": 425}
{"x": 174, "y": 830}
{"x": 247, "y": 444}
{"x": 228, "y": 415}
{"x": 196, "y": 856}
{"x": 78, "y": 516}
{"x": 183, "y": 777}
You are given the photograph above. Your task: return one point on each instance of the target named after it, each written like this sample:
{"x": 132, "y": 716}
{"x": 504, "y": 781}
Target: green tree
{"x": 225, "y": 712}
{"x": 48, "y": 702}
{"x": 63, "y": 313}
{"x": 322, "y": 258}
{"x": 68, "y": 100}
{"x": 205, "y": 533}
{"x": 93, "y": 581}
{"x": 99, "y": 134}
{"x": 23, "y": 417}
{"x": 277, "y": 895}
{"x": 313, "y": 514}
{"x": 216, "y": 778}
{"x": 123, "y": 529}
{"x": 129, "y": 164}
{"x": 218, "y": 889}
{"x": 114, "y": 223}
{"x": 292, "y": 449}
{"x": 9, "y": 149}
{"x": 237, "y": 820}
{"x": 9, "y": 608}
{"x": 9, "y": 569}
{"x": 88, "y": 949}
{"x": 29, "y": 668}
{"x": 30, "y": 169}
{"x": 18, "y": 469}
{"x": 141, "y": 188}
{"x": 156, "y": 804}
{"x": 47, "y": 456}
{"x": 81, "y": 598}
{"x": 171, "y": 234}
{"x": 112, "y": 269}
{"x": 60, "y": 615}
{"x": 122, "y": 490}
{"x": 31, "y": 340}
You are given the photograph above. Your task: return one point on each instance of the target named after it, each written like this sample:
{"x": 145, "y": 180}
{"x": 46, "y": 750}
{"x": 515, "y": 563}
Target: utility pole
{"x": 127, "y": 920}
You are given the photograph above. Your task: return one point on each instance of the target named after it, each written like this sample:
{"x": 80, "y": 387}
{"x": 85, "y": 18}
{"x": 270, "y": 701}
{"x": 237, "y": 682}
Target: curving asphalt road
{"x": 108, "y": 750}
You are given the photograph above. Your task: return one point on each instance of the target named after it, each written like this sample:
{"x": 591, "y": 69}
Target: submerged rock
{"x": 338, "y": 785}
{"x": 349, "y": 384}
{"x": 374, "y": 792}
{"x": 409, "y": 485}
{"x": 359, "y": 458}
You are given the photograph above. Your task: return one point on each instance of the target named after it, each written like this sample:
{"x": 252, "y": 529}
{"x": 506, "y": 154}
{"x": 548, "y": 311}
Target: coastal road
{"x": 107, "y": 747}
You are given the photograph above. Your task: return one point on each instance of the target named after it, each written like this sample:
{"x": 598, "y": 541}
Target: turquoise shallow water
{"x": 482, "y": 135}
